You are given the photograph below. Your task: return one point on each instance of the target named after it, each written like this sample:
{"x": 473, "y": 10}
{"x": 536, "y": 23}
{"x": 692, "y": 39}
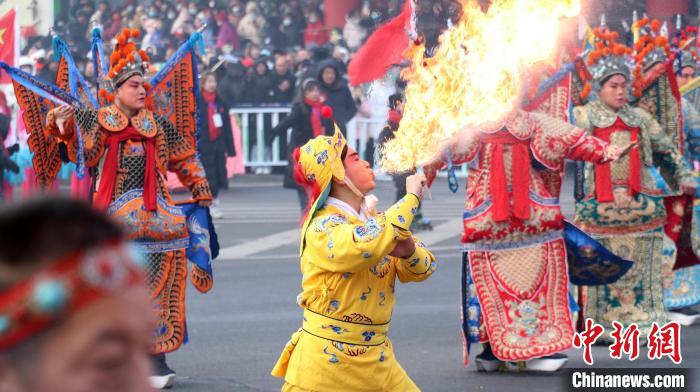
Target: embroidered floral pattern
{"x": 369, "y": 231}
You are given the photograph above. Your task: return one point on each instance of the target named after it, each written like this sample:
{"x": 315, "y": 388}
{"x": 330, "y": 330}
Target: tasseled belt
{"x": 520, "y": 176}
{"x": 603, "y": 176}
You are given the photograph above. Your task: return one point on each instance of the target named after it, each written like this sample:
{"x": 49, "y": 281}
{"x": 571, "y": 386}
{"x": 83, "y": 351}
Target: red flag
{"x": 8, "y": 41}
{"x": 383, "y": 49}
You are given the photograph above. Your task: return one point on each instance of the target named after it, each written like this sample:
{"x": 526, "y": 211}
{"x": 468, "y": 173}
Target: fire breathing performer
{"x": 128, "y": 145}
{"x": 621, "y": 202}
{"x": 351, "y": 258}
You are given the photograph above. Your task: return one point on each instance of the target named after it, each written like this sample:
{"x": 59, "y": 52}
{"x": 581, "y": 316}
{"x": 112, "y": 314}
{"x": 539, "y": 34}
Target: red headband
{"x": 52, "y": 294}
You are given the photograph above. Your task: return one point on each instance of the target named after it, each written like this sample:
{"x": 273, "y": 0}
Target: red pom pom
{"x": 135, "y": 33}
{"x": 326, "y": 111}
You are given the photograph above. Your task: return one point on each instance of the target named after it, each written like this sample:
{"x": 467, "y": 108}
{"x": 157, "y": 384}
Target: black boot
{"x": 486, "y": 361}
{"x": 683, "y": 316}
{"x": 163, "y": 376}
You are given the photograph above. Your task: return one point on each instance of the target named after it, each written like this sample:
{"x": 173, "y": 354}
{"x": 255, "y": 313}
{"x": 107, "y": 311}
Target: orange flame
{"x": 475, "y": 75}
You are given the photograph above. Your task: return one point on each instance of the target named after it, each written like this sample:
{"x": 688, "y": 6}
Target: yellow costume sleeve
{"x": 418, "y": 267}
{"x": 336, "y": 245}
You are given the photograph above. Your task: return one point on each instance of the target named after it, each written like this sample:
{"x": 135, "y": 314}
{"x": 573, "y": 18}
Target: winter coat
{"x": 213, "y": 153}
{"x": 280, "y": 96}
{"x": 259, "y": 89}
{"x": 338, "y": 95}
{"x": 227, "y": 36}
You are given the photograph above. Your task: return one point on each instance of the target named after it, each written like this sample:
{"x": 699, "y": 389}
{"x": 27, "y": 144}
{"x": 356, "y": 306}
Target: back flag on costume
{"x": 174, "y": 89}
{"x": 174, "y": 94}
{"x": 98, "y": 57}
{"x": 590, "y": 263}
{"x": 204, "y": 243}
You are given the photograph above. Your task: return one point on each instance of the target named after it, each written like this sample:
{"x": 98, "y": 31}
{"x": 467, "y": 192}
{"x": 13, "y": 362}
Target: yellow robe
{"x": 348, "y": 294}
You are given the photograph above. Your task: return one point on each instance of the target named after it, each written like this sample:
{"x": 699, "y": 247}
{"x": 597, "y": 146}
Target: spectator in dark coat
{"x": 233, "y": 84}
{"x": 292, "y": 28}
{"x": 338, "y": 96}
{"x": 283, "y": 81}
{"x": 274, "y": 36}
{"x": 306, "y": 122}
{"x": 259, "y": 88}
{"x": 215, "y": 140}
{"x": 258, "y": 92}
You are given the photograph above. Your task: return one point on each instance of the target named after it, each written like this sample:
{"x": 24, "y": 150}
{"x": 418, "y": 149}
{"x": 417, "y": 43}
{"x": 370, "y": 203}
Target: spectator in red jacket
{"x": 316, "y": 33}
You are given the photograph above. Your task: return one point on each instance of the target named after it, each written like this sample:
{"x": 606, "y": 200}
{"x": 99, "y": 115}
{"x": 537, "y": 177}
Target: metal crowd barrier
{"x": 255, "y": 121}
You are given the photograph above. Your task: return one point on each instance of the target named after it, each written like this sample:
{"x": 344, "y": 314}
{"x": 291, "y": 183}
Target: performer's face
{"x": 686, "y": 75}
{"x": 614, "y": 92}
{"x": 358, "y": 171}
{"x": 103, "y": 347}
{"x": 132, "y": 94}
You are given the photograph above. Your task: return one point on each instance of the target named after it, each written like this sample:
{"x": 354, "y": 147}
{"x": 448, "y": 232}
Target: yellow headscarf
{"x": 321, "y": 161}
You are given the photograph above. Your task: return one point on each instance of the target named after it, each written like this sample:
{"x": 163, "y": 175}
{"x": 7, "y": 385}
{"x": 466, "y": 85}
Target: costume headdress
{"x": 125, "y": 62}
{"x": 317, "y": 163}
{"x": 52, "y": 294}
{"x": 686, "y": 44}
{"x": 607, "y": 59}
{"x": 652, "y": 47}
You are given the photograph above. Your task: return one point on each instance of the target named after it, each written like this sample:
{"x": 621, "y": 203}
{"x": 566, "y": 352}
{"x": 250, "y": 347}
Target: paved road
{"x": 239, "y": 328}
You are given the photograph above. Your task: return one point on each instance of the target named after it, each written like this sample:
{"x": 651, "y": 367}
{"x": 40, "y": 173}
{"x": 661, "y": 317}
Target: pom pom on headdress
{"x": 685, "y": 47}
{"x": 126, "y": 60}
{"x": 651, "y": 49}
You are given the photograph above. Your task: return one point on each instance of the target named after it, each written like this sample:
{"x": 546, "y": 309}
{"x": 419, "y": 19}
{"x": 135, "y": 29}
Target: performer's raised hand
{"x": 404, "y": 248}
{"x": 416, "y": 184}
{"x": 62, "y": 114}
{"x": 614, "y": 152}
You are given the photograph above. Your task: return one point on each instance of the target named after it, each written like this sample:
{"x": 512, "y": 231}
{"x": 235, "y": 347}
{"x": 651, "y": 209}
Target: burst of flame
{"x": 475, "y": 76}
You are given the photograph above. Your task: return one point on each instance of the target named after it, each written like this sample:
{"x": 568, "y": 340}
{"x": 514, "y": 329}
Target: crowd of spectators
{"x": 260, "y": 50}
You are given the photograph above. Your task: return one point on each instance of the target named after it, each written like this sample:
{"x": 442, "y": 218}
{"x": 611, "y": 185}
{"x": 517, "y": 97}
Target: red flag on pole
{"x": 383, "y": 49}
{"x": 9, "y": 41}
